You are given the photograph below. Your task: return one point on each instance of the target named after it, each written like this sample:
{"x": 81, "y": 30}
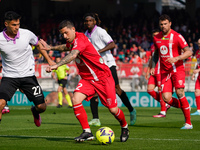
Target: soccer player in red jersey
{"x": 155, "y": 80}
{"x": 96, "y": 78}
{"x": 197, "y": 84}
{"x": 168, "y": 49}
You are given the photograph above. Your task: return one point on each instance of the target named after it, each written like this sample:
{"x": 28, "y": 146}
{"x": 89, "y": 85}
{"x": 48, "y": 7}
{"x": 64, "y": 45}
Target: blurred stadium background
{"x": 129, "y": 22}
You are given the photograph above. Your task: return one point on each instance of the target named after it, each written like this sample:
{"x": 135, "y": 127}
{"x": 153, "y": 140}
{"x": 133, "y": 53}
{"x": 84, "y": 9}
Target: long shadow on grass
{"x": 60, "y": 123}
{"x": 151, "y": 126}
{"x": 37, "y": 137}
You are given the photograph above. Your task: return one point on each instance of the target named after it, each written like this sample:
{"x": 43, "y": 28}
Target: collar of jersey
{"x": 92, "y": 30}
{"x": 8, "y": 38}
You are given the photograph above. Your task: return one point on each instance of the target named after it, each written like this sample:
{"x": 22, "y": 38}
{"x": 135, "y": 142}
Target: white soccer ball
{"x": 105, "y": 135}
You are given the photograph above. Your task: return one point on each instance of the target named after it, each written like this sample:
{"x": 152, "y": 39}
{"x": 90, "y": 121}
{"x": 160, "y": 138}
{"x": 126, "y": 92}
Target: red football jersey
{"x": 90, "y": 64}
{"x": 169, "y": 46}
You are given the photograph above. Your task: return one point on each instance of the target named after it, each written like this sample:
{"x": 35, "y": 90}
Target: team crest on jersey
{"x": 101, "y": 60}
{"x": 109, "y": 101}
{"x": 163, "y": 50}
{"x": 180, "y": 82}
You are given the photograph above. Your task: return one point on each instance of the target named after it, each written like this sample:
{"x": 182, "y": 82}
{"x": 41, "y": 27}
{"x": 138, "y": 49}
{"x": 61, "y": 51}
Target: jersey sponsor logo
{"x": 158, "y": 41}
{"x": 165, "y": 56}
{"x": 163, "y": 50}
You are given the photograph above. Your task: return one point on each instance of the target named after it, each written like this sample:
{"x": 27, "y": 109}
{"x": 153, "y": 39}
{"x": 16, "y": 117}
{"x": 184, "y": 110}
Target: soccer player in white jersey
{"x": 19, "y": 65}
{"x": 103, "y": 43}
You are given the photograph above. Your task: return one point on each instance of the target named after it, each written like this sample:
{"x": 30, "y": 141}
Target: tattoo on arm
{"x": 67, "y": 59}
{"x": 60, "y": 47}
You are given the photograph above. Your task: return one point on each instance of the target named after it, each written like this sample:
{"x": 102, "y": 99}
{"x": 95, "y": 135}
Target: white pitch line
{"x": 65, "y": 137}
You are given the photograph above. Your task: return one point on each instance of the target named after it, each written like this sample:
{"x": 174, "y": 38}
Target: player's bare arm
{"x": 187, "y": 53}
{"x": 54, "y": 48}
{"x": 44, "y": 53}
{"x": 110, "y": 46}
{"x": 67, "y": 59}
{"x": 195, "y": 71}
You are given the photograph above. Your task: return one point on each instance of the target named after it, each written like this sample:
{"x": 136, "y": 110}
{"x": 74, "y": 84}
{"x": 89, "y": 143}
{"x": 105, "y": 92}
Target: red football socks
{"x": 155, "y": 95}
{"x": 186, "y": 109}
{"x": 174, "y": 102}
{"x": 81, "y": 115}
{"x": 198, "y": 102}
{"x": 121, "y": 118}
{"x": 162, "y": 103}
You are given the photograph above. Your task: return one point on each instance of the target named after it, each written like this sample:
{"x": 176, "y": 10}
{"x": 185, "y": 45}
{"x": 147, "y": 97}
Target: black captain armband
{"x": 155, "y": 59}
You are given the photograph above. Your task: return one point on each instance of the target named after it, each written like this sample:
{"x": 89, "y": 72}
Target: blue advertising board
{"x": 137, "y": 99}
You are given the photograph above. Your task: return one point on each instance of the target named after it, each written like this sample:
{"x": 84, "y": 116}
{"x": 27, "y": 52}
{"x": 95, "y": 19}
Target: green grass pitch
{"x": 59, "y": 127}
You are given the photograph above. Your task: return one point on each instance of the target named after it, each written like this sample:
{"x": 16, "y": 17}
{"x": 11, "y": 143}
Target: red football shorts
{"x": 105, "y": 89}
{"x": 155, "y": 80}
{"x": 197, "y": 84}
{"x": 168, "y": 81}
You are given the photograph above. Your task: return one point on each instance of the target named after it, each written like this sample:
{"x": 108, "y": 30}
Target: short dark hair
{"x": 66, "y": 23}
{"x": 11, "y": 15}
{"x": 155, "y": 30}
{"x": 95, "y": 16}
{"x": 164, "y": 17}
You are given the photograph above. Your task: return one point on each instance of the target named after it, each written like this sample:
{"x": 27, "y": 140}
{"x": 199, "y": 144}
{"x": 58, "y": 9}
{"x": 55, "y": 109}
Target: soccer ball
{"x": 105, "y": 135}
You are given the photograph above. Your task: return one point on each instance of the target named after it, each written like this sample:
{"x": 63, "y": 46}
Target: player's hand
{"x": 193, "y": 76}
{"x": 172, "y": 60}
{"x": 147, "y": 73}
{"x": 45, "y": 46}
{"x": 50, "y": 68}
{"x": 152, "y": 71}
{"x": 195, "y": 71}
{"x": 51, "y": 63}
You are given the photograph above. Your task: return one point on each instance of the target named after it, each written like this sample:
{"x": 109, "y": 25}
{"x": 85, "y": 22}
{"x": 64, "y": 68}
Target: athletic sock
{"x": 198, "y": 102}
{"x": 88, "y": 130}
{"x": 68, "y": 100}
{"x": 174, "y": 102}
{"x": 155, "y": 95}
{"x": 35, "y": 112}
{"x": 94, "y": 107}
{"x": 162, "y": 103}
{"x": 186, "y": 109}
{"x": 81, "y": 115}
{"x": 121, "y": 118}
{"x": 126, "y": 101}
{"x": 60, "y": 98}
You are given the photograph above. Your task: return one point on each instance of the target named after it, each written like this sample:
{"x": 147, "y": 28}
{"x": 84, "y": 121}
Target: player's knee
{"x": 113, "y": 110}
{"x": 41, "y": 107}
{"x": 197, "y": 93}
{"x": 166, "y": 98}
